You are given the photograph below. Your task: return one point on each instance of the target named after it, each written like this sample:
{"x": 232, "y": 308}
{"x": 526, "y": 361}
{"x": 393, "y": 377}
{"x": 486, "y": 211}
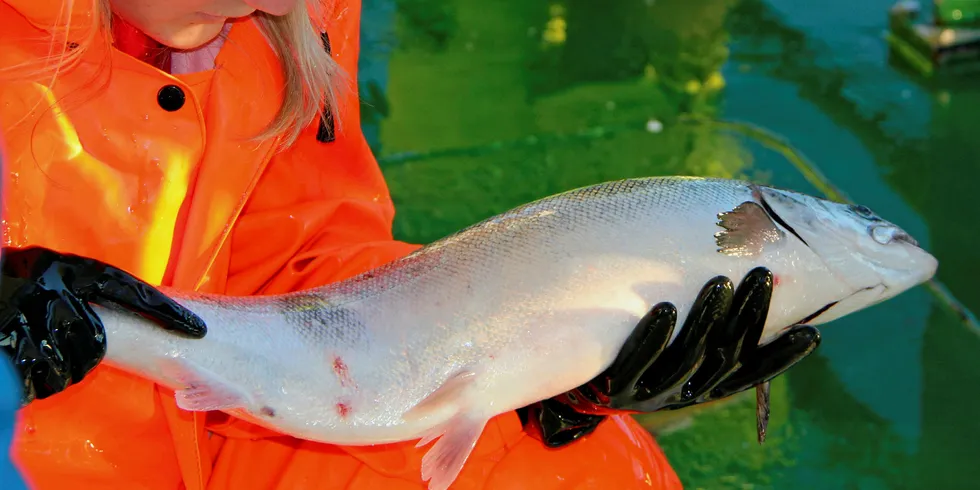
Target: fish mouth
{"x": 880, "y": 287}
{"x": 812, "y": 316}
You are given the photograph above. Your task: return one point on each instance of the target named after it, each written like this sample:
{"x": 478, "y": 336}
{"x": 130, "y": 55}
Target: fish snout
{"x": 905, "y": 237}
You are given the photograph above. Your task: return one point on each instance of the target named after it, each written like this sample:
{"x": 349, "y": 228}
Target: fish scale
{"x": 512, "y": 310}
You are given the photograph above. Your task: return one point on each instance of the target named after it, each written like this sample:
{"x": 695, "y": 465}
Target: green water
{"x": 476, "y": 106}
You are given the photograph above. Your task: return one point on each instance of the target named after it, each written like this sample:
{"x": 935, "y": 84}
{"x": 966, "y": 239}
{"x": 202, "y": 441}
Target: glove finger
{"x": 84, "y": 340}
{"x": 641, "y": 349}
{"x": 752, "y": 307}
{"x": 41, "y": 364}
{"x": 43, "y": 379}
{"x": 59, "y": 322}
{"x": 686, "y": 353}
{"x": 16, "y": 343}
{"x": 38, "y": 352}
{"x": 718, "y": 363}
{"x": 561, "y": 425}
{"x": 119, "y": 287}
{"x": 740, "y": 333}
{"x": 771, "y": 360}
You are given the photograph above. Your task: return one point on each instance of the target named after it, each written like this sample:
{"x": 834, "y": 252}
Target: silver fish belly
{"x": 510, "y": 311}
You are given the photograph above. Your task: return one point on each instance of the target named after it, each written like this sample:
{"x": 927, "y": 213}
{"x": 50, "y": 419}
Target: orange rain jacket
{"x": 97, "y": 167}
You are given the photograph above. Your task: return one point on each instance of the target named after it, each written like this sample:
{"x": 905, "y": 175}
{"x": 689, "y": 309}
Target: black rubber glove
{"x": 47, "y": 326}
{"x": 715, "y": 355}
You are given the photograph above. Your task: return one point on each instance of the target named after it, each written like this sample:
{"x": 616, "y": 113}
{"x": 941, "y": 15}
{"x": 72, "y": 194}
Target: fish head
{"x": 874, "y": 259}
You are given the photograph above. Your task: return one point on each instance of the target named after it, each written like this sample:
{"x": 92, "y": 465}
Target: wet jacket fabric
{"x": 155, "y": 173}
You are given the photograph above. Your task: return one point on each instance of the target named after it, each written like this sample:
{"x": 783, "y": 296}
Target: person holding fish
{"x": 212, "y": 146}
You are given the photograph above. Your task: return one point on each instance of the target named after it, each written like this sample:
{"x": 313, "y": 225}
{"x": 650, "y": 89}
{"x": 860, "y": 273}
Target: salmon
{"x": 510, "y": 311}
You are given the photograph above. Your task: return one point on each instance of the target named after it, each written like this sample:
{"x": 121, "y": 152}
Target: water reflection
{"x": 515, "y": 76}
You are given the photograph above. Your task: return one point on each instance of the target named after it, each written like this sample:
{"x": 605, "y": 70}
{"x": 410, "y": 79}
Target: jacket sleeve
{"x": 321, "y": 211}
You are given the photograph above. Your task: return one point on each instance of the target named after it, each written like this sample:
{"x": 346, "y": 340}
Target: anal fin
{"x": 457, "y": 437}
{"x": 203, "y": 389}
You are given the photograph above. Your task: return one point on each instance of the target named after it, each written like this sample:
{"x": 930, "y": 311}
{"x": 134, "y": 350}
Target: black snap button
{"x": 171, "y": 98}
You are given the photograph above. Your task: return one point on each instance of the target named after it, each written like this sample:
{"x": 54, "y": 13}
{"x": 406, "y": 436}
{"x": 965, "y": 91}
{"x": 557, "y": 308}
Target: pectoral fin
{"x": 747, "y": 229}
{"x": 204, "y": 390}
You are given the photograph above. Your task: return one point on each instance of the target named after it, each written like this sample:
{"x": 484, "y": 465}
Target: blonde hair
{"x": 311, "y": 75}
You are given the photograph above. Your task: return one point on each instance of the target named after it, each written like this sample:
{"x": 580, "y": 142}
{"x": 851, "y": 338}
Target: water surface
{"x": 475, "y": 107}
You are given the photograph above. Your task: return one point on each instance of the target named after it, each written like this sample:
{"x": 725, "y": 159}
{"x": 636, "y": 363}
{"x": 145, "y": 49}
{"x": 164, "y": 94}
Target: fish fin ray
{"x": 442, "y": 463}
{"x": 431, "y": 435}
{"x": 747, "y": 229}
{"x": 449, "y": 393}
{"x": 203, "y": 390}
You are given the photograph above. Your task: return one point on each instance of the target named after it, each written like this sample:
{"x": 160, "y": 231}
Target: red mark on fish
{"x": 340, "y": 368}
{"x": 775, "y": 280}
{"x": 343, "y": 410}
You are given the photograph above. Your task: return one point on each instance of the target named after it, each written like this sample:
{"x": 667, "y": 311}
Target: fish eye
{"x": 863, "y": 211}
{"x": 882, "y": 234}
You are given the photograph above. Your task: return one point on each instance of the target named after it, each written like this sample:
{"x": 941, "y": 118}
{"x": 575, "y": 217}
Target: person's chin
{"x": 190, "y": 37}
